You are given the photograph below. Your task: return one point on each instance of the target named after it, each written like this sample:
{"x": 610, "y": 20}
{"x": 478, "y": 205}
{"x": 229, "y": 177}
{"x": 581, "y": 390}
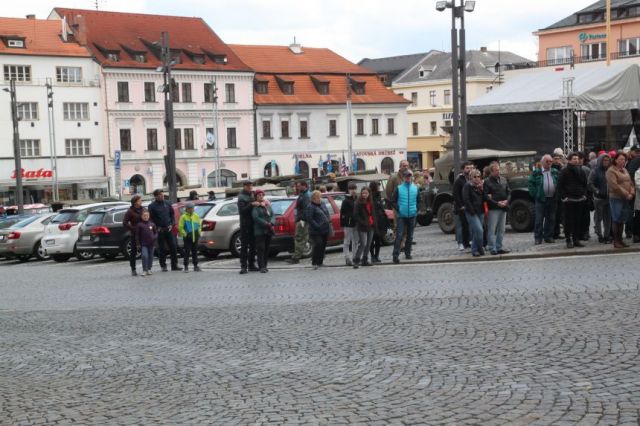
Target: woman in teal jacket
{"x": 263, "y": 221}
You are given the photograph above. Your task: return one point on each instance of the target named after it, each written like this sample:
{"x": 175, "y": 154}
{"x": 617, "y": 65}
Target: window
{"x": 414, "y": 99}
{"x": 125, "y": 139}
{"x": 113, "y": 56}
{"x": 414, "y": 129}
{"x": 287, "y": 88}
{"x": 360, "y": 126}
{"x": 230, "y": 209}
{"x": 559, "y": 55}
{"x": 374, "y": 127}
{"x": 15, "y": 43}
{"x": 17, "y": 72}
{"x": 262, "y": 87}
{"x": 594, "y": 51}
{"x": 188, "y": 139}
{"x": 447, "y": 123}
{"x": 266, "y": 129}
{"x": 177, "y": 137}
{"x": 77, "y": 147}
{"x": 434, "y": 128}
{"x": 123, "y": 91}
{"x": 175, "y": 92}
{"x": 284, "y": 129}
{"x": 230, "y": 93}
{"x": 68, "y": 74}
{"x": 212, "y": 144}
{"x": 304, "y": 129}
{"x": 28, "y": 111}
{"x": 208, "y": 93}
{"x": 323, "y": 88}
{"x": 149, "y": 91}
{"x": 29, "y": 148}
{"x": 358, "y": 88}
{"x": 629, "y": 47}
{"x": 74, "y": 111}
{"x": 152, "y": 139}
{"x": 391, "y": 126}
{"x": 333, "y": 128}
{"x": 447, "y": 97}
{"x": 231, "y": 137}
{"x": 186, "y": 92}
{"x": 139, "y": 57}
{"x": 432, "y": 98}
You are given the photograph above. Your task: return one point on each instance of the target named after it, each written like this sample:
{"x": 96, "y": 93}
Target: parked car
{"x": 103, "y": 233}
{"x": 23, "y": 239}
{"x": 62, "y": 232}
{"x": 28, "y": 209}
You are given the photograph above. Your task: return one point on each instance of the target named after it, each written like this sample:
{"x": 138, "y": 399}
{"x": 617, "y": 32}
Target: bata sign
{"x": 34, "y": 174}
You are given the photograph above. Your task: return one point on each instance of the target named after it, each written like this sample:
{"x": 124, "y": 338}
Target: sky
{"x": 355, "y": 29}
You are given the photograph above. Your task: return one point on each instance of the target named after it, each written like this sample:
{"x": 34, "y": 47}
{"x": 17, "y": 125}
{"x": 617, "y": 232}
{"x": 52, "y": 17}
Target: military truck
{"x": 514, "y": 165}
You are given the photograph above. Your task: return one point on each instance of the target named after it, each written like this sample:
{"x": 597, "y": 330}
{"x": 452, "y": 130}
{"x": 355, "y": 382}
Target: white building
{"x": 35, "y": 52}
{"x": 301, "y": 112}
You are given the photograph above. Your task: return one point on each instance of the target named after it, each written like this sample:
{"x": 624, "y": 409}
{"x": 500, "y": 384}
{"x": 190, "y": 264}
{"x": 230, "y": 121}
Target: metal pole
{"x": 454, "y": 80}
{"x": 168, "y": 119}
{"x": 16, "y": 146}
{"x": 214, "y": 87}
{"x": 52, "y": 140}
{"x": 608, "y": 17}
{"x": 349, "y": 133}
{"x": 463, "y": 87}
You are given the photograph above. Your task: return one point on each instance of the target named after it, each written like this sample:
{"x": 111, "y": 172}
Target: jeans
{"x": 301, "y": 239}
{"x": 475, "y": 226}
{"x": 262, "y": 249}
{"x": 134, "y": 252}
{"x": 617, "y": 206}
{"x": 147, "y": 257}
{"x": 404, "y": 224}
{"x": 545, "y": 219}
{"x": 602, "y": 218}
{"x": 318, "y": 246}
{"x": 495, "y": 229}
{"x": 190, "y": 249}
{"x": 463, "y": 233}
{"x": 376, "y": 243}
{"x": 364, "y": 243}
{"x": 350, "y": 243}
{"x": 573, "y": 219}
{"x": 167, "y": 240}
{"x": 247, "y": 246}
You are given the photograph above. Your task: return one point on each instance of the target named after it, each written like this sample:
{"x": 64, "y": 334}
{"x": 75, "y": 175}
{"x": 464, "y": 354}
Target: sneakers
{"x": 197, "y": 269}
{"x": 315, "y": 267}
{"x": 243, "y": 271}
{"x": 149, "y": 273}
{"x": 460, "y": 247}
{"x": 408, "y": 256}
{"x": 164, "y": 269}
{"x": 144, "y": 274}
{"x": 134, "y": 273}
{"x": 549, "y": 240}
{"x": 292, "y": 261}
{"x": 177, "y": 268}
{"x": 264, "y": 270}
{"x": 348, "y": 262}
{"x": 569, "y": 244}
{"x": 396, "y": 259}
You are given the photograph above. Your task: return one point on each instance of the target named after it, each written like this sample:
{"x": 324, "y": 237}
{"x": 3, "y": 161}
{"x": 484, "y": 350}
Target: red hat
{"x": 259, "y": 191}
{"x": 601, "y": 152}
{"x": 613, "y": 153}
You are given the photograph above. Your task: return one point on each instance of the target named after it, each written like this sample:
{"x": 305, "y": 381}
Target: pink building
{"x": 127, "y": 47}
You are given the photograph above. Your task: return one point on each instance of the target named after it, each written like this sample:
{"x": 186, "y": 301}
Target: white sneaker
{"x": 149, "y": 273}
{"x": 461, "y": 247}
{"x": 145, "y": 273}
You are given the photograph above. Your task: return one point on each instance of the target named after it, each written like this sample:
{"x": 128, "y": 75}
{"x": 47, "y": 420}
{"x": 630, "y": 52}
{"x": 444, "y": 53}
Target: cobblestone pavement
{"x": 541, "y": 341}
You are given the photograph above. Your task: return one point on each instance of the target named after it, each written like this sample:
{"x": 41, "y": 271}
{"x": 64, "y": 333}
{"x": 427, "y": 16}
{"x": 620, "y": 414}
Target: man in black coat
{"x": 163, "y": 216}
{"x": 462, "y": 227}
{"x": 246, "y": 203}
{"x": 572, "y": 189}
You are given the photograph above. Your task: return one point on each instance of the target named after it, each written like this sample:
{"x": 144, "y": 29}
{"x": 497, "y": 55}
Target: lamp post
{"x": 349, "y": 134}
{"x": 16, "y": 145}
{"x": 458, "y": 75}
{"x": 52, "y": 139}
{"x": 214, "y": 98}
{"x": 170, "y": 159}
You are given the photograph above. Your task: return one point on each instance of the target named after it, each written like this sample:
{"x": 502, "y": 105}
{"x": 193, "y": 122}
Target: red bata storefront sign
{"x": 34, "y": 174}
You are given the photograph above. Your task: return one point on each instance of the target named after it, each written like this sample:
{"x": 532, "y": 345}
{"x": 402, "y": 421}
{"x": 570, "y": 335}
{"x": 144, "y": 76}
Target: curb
{"x": 510, "y": 256}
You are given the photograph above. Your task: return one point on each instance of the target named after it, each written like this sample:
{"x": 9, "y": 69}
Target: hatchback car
{"x": 23, "y": 239}
{"x": 62, "y": 232}
{"x": 103, "y": 233}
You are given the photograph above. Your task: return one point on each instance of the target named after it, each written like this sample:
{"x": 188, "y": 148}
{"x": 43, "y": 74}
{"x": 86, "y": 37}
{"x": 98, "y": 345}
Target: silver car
{"x": 23, "y": 239}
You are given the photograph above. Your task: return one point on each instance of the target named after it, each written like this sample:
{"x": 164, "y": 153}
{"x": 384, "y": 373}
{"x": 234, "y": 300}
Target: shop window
{"x": 387, "y": 165}
{"x": 594, "y": 51}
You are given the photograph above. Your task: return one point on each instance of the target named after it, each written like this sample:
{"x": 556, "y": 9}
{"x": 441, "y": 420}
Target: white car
{"x": 61, "y": 234}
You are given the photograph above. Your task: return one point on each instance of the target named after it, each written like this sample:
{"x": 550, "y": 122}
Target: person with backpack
{"x": 189, "y": 228}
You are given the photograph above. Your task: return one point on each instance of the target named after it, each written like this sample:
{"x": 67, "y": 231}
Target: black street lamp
{"x": 16, "y": 144}
{"x": 458, "y": 75}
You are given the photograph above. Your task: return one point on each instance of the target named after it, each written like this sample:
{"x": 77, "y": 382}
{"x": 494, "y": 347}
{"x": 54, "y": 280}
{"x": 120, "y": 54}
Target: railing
{"x": 568, "y": 61}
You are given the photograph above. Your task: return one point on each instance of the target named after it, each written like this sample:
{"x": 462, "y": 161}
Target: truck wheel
{"x": 446, "y": 220}
{"x": 425, "y": 219}
{"x": 521, "y": 215}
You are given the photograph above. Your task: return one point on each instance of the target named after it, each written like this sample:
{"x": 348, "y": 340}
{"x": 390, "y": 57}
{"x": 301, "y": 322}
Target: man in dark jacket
{"x": 542, "y": 188}
{"x": 558, "y": 164}
{"x": 246, "y": 202}
{"x": 572, "y": 189}
{"x": 130, "y": 221}
{"x": 347, "y": 222}
{"x": 163, "y": 216}
{"x": 462, "y": 227}
{"x": 496, "y": 194}
{"x": 302, "y": 229}
{"x": 597, "y": 184}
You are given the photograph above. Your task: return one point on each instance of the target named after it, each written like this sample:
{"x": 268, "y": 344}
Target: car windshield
{"x": 25, "y": 222}
{"x": 202, "y": 209}
{"x": 280, "y": 206}
{"x": 64, "y": 216}
{"x": 10, "y": 222}
{"x": 94, "y": 218}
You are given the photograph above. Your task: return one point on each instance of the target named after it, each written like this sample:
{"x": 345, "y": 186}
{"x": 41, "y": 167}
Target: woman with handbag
{"x": 364, "y": 226}
{"x": 319, "y": 220}
{"x": 380, "y": 222}
{"x": 263, "y": 221}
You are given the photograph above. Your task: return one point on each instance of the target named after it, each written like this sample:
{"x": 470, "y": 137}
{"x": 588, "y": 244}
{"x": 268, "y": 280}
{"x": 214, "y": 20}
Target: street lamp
{"x": 16, "y": 144}
{"x": 458, "y": 75}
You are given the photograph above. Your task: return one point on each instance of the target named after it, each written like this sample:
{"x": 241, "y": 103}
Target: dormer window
{"x": 287, "y": 88}
{"x": 113, "y": 56}
{"x": 140, "y": 57}
{"x": 321, "y": 85}
{"x": 198, "y": 59}
{"x": 15, "y": 43}
{"x": 220, "y": 59}
{"x": 358, "y": 87}
{"x": 262, "y": 87}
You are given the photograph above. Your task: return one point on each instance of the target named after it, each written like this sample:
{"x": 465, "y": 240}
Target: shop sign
{"x": 447, "y": 116}
{"x": 34, "y": 174}
{"x": 584, "y": 37}
{"x": 375, "y": 153}
{"x": 303, "y": 155}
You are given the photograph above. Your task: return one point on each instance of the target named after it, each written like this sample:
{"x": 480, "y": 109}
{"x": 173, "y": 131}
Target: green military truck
{"x": 514, "y": 165}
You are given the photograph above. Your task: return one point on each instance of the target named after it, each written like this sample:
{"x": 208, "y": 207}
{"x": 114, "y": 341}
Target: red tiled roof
{"x": 108, "y": 31}
{"x": 281, "y": 60}
{"x": 305, "y": 92}
{"x": 42, "y": 38}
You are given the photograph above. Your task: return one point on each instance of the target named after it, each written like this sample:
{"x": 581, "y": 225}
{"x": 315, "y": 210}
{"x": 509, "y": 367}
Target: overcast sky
{"x": 353, "y": 28}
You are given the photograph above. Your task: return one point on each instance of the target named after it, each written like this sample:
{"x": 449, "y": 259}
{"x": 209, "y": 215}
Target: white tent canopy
{"x": 602, "y": 88}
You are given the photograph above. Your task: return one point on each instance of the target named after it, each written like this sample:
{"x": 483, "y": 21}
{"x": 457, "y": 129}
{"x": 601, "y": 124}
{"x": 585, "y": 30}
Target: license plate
{"x": 50, "y": 242}
{"x": 84, "y": 238}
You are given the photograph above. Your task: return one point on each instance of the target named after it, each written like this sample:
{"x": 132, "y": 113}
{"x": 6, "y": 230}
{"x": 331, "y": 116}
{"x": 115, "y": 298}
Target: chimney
{"x": 483, "y": 49}
{"x": 31, "y": 16}
{"x": 296, "y": 48}
{"x": 80, "y": 32}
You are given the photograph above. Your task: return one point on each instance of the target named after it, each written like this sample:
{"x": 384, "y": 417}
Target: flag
{"x": 354, "y": 162}
{"x": 296, "y": 166}
{"x": 344, "y": 169}
{"x": 329, "y": 164}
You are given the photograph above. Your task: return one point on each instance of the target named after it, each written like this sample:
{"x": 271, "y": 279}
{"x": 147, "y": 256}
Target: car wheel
{"x": 83, "y": 255}
{"x": 521, "y": 215}
{"x": 235, "y": 244}
{"x": 40, "y": 252}
{"x": 446, "y": 219}
{"x": 23, "y": 258}
{"x": 389, "y": 237}
{"x": 126, "y": 249}
{"x": 61, "y": 257}
{"x": 108, "y": 256}
{"x": 210, "y": 254}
